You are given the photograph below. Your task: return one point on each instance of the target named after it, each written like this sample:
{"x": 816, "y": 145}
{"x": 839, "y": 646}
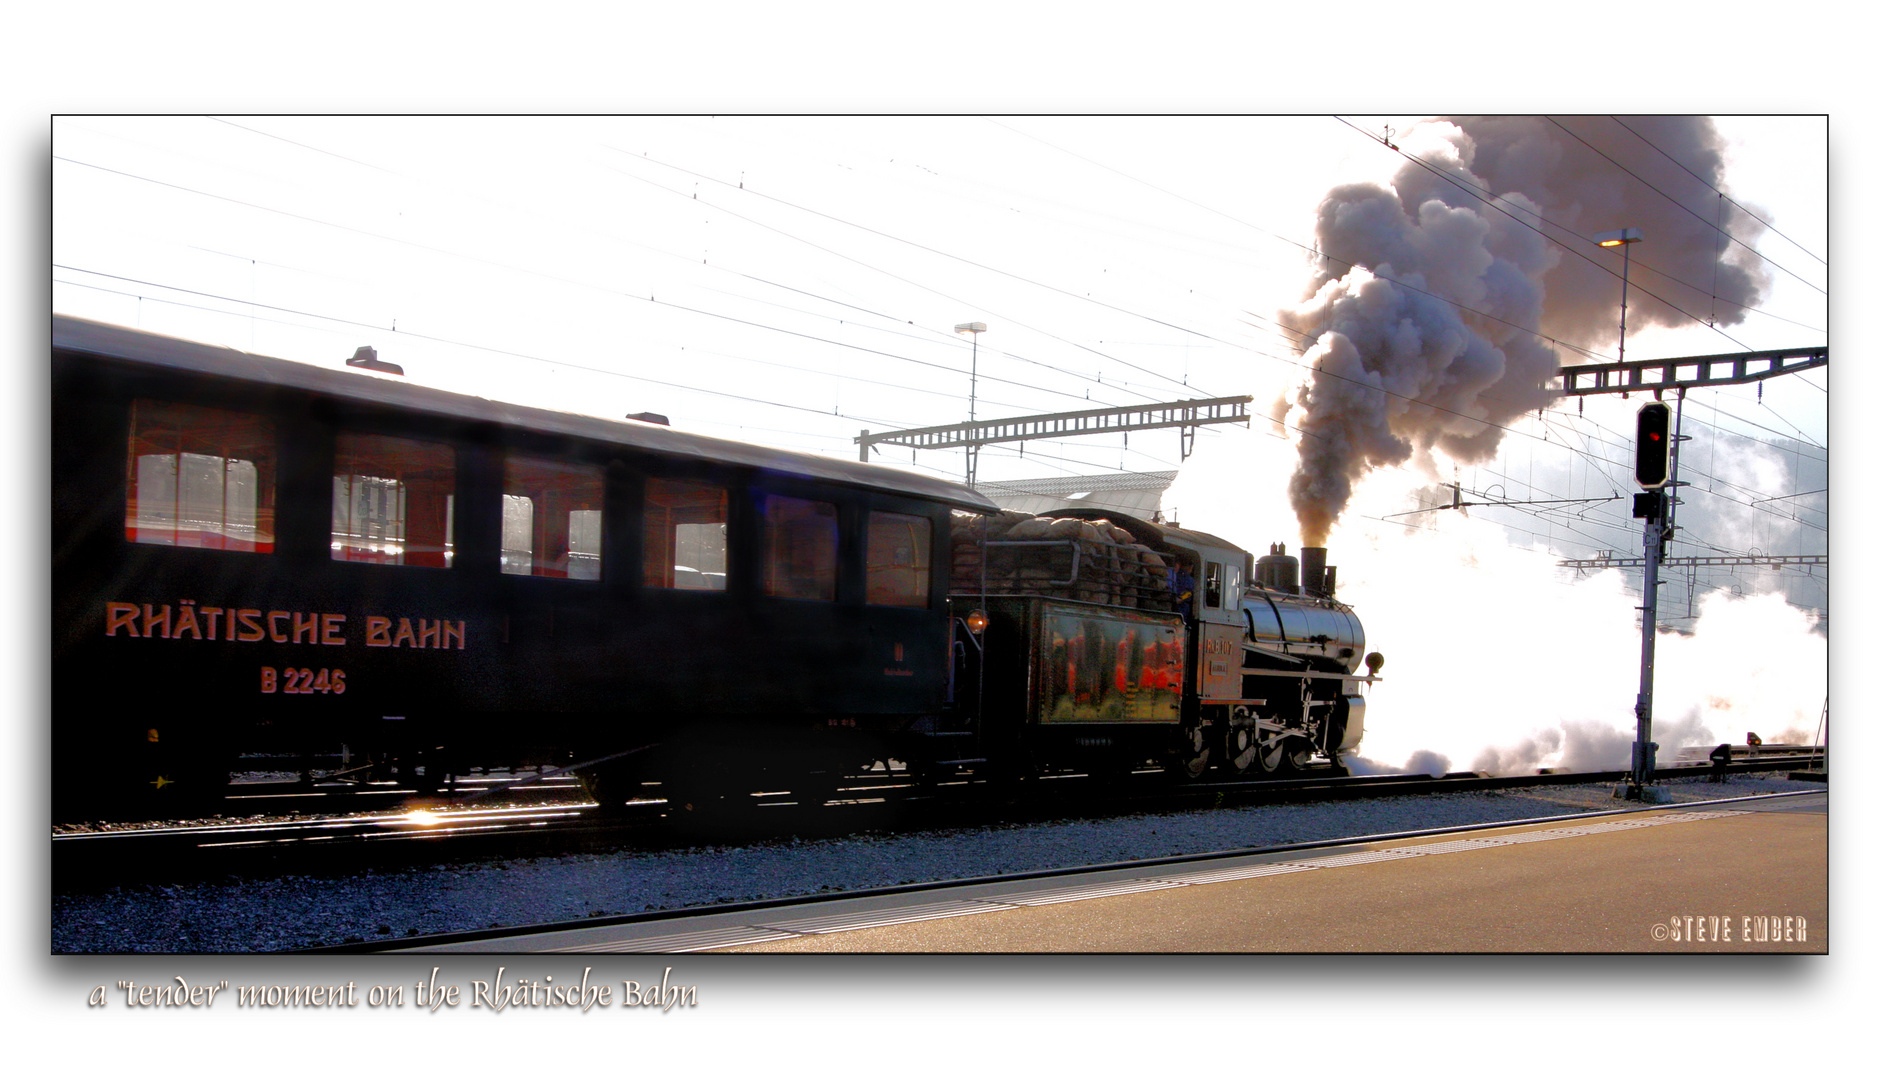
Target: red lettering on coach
{"x": 186, "y": 620}
{"x": 120, "y": 617}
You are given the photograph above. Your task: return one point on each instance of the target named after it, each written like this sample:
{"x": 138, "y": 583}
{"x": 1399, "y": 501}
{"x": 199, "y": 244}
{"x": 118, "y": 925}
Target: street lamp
{"x": 973, "y": 387}
{"x": 976, "y": 329}
{"x": 1621, "y": 238}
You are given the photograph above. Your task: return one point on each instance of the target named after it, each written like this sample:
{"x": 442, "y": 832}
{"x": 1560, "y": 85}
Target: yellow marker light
{"x": 976, "y": 621}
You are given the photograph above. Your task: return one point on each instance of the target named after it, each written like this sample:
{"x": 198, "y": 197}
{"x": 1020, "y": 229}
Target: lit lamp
{"x": 1621, "y": 238}
{"x": 973, "y": 386}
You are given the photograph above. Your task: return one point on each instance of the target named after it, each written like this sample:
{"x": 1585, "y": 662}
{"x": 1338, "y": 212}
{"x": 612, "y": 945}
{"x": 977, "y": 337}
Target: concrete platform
{"x": 1759, "y": 870}
{"x": 1742, "y": 876}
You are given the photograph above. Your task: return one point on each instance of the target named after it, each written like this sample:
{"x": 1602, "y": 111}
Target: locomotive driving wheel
{"x": 1240, "y": 742}
{"x": 1190, "y": 757}
{"x": 1251, "y": 749}
{"x": 1296, "y": 752}
{"x": 1252, "y": 746}
{"x": 1271, "y": 755}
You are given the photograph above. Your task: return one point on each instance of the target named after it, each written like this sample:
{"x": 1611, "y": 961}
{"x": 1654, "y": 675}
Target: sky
{"x": 1187, "y": 236}
{"x": 803, "y": 274}
{"x": 794, "y": 281}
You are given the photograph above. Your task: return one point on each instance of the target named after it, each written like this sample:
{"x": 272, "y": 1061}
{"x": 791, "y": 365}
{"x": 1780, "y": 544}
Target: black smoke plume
{"x": 1441, "y": 304}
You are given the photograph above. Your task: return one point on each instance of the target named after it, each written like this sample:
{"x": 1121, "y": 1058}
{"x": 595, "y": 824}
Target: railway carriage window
{"x": 683, "y": 529}
{"x": 551, "y": 519}
{"x": 1212, "y": 585}
{"x": 800, "y": 548}
{"x": 201, "y": 478}
{"x": 392, "y": 500}
{"x": 899, "y": 559}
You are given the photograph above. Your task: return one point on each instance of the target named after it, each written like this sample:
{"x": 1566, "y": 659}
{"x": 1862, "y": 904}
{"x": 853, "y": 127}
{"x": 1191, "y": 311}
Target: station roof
{"x": 1137, "y": 494}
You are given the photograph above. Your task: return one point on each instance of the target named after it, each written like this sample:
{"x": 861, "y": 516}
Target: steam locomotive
{"x": 1111, "y": 641}
{"x": 256, "y": 557}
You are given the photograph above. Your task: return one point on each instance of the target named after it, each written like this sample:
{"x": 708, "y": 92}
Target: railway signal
{"x": 1655, "y": 467}
{"x": 1653, "y": 445}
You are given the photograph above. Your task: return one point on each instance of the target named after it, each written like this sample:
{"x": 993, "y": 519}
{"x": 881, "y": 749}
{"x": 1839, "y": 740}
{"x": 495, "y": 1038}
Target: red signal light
{"x": 1652, "y": 447}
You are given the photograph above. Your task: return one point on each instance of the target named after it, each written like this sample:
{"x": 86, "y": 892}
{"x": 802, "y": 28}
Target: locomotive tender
{"x": 253, "y": 554}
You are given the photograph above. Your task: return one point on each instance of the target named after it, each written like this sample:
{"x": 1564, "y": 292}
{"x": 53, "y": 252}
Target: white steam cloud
{"x": 1428, "y": 321}
{"x": 1500, "y": 662}
{"x": 1497, "y": 659}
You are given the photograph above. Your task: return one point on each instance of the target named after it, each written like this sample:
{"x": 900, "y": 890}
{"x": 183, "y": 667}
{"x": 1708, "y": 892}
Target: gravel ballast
{"x": 296, "y": 911}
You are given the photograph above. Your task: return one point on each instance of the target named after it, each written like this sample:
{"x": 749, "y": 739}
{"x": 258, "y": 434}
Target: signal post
{"x": 1656, "y": 464}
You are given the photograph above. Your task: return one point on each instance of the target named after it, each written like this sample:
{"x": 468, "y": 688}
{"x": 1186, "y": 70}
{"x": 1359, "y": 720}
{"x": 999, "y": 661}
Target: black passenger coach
{"x": 252, "y": 554}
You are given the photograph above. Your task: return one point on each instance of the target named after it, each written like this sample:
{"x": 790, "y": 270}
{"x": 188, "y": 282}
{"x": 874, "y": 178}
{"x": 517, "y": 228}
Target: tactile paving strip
{"x": 694, "y": 941}
{"x": 1359, "y": 857}
{"x": 1532, "y": 837}
{"x": 1237, "y": 873}
{"x": 1456, "y": 845}
{"x": 1039, "y": 897}
{"x": 862, "y": 920}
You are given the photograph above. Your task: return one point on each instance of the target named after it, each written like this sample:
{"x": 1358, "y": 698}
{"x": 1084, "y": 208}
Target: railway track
{"x": 331, "y": 796}
{"x": 457, "y": 829}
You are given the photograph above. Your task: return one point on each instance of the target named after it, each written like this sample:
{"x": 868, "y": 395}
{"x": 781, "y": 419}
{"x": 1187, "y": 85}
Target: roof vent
{"x": 368, "y": 357}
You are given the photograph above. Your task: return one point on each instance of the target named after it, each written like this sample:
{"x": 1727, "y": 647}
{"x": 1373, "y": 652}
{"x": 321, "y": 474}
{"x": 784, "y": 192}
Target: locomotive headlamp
{"x": 976, "y": 621}
{"x": 1374, "y": 661}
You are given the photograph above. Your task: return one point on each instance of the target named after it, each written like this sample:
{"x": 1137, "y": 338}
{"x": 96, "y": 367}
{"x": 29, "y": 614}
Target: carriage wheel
{"x": 816, "y": 788}
{"x": 610, "y": 789}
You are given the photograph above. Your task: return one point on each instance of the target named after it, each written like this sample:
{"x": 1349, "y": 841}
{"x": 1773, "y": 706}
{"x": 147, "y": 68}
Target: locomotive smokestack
{"x": 1278, "y": 570}
{"x": 1313, "y": 570}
